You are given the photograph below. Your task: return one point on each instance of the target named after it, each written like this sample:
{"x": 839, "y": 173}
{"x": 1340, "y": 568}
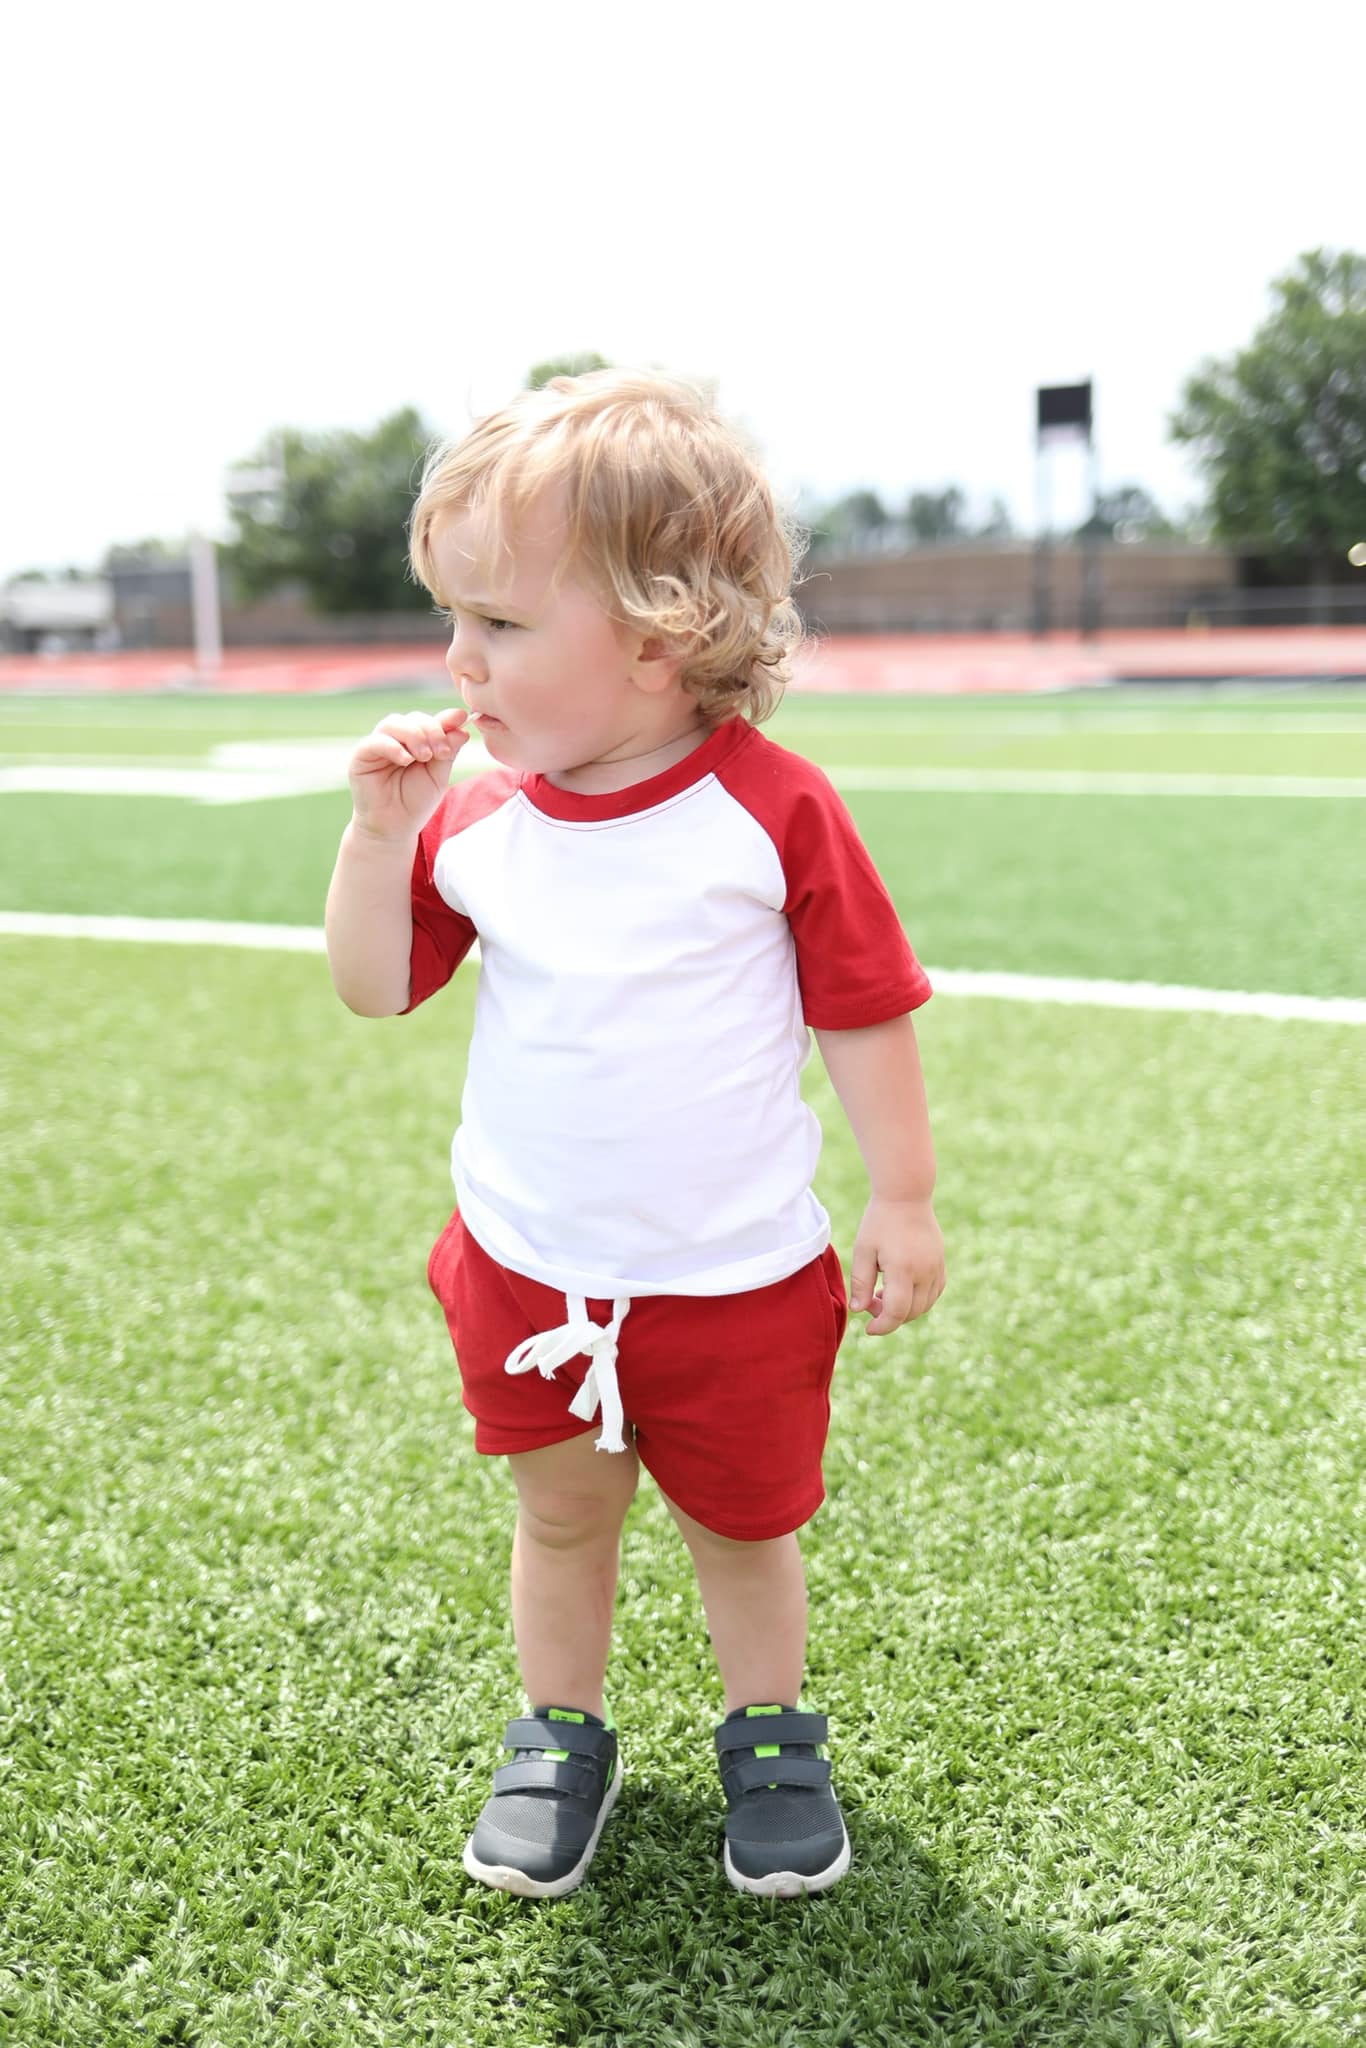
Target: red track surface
{"x": 910, "y": 663}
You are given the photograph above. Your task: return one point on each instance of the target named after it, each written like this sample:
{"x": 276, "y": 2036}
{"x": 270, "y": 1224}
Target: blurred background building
{"x": 967, "y": 586}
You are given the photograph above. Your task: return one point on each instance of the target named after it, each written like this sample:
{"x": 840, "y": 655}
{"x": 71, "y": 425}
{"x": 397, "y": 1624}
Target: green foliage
{"x": 1127, "y": 513}
{"x": 143, "y": 554}
{"x": 937, "y": 515}
{"x": 930, "y": 516}
{"x": 845, "y": 521}
{"x": 336, "y": 520}
{"x": 998, "y": 524}
{"x": 1280, "y": 429}
{"x": 564, "y": 366}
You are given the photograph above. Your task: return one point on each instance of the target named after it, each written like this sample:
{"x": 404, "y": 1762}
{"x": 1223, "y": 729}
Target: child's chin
{"x": 499, "y": 743}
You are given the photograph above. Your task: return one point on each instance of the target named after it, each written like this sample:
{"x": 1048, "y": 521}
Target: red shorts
{"x": 729, "y": 1394}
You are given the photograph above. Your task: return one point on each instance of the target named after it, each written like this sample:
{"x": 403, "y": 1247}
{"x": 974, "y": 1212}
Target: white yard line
{"x": 164, "y": 931}
{"x": 952, "y": 981}
{"x": 1068, "y": 782}
{"x": 1147, "y": 995}
{"x": 245, "y": 783}
{"x": 1127, "y": 724}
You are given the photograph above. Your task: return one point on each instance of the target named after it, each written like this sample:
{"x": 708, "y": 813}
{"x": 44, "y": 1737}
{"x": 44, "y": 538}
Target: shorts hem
{"x": 509, "y": 1446}
{"x": 785, "y": 1524}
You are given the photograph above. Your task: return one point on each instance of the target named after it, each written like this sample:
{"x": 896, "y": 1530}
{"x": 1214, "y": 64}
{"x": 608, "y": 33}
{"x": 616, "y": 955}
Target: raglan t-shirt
{"x": 652, "y": 962}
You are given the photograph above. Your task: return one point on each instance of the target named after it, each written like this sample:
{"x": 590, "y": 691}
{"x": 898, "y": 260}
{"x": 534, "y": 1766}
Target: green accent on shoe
{"x": 769, "y": 1749}
{"x": 787, "y": 1837}
{"x": 561, "y": 1756}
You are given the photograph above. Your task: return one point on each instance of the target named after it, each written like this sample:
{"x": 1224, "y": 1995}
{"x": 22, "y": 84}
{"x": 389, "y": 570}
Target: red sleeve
{"x": 855, "y": 965}
{"x": 442, "y": 936}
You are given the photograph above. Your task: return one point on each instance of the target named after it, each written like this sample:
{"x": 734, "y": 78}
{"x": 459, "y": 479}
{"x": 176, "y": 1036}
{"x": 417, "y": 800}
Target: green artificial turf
{"x": 1086, "y": 1592}
{"x": 1312, "y": 731}
{"x": 1229, "y": 892}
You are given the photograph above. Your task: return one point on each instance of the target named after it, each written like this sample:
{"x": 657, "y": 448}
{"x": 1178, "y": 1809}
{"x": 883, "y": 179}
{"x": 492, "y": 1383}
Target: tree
{"x": 142, "y": 554}
{"x": 336, "y": 520}
{"x": 936, "y": 515}
{"x": 998, "y": 524}
{"x": 847, "y": 521}
{"x": 1280, "y": 429}
{"x": 1124, "y": 514}
{"x": 564, "y": 366}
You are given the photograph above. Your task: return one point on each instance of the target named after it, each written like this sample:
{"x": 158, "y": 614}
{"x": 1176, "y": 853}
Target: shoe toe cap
{"x": 543, "y": 1844}
{"x": 810, "y": 1856}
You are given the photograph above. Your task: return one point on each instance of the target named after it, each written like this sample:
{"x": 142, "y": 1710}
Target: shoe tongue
{"x": 758, "y": 1715}
{"x": 523, "y": 1756}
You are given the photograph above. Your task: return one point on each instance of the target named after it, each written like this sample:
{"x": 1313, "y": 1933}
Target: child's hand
{"x": 904, "y": 1240}
{"x": 399, "y": 774}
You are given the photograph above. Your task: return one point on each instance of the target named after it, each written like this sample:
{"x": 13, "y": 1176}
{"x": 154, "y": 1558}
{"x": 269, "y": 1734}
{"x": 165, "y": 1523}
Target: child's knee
{"x": 570, "y": 1494}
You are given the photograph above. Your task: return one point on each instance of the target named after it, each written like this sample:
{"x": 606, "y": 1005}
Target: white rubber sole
{"x": 505, "y": 1879}
{"x": 790, "y": 1884}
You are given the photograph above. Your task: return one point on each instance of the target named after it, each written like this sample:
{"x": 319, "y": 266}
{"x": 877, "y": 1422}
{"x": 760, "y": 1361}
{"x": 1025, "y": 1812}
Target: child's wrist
{"x": 403, "y": 842}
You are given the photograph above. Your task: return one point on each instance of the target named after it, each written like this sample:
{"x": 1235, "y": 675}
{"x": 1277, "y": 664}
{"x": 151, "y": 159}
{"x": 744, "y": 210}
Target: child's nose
{"x": 463, "y": 657}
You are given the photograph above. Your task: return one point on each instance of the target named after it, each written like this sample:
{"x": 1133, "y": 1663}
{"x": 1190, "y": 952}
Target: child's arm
{"x": 877, "y": 1075}
{"x": 398, "y": 777}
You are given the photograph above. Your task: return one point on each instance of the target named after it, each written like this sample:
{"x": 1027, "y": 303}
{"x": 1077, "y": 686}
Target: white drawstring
{"x": 548, "y": 1351}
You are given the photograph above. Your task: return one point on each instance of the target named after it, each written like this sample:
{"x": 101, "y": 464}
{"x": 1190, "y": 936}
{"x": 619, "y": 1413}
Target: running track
{"x": 894, "y": 663}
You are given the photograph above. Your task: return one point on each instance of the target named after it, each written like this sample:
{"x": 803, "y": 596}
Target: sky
{"x": 877, "y": 228}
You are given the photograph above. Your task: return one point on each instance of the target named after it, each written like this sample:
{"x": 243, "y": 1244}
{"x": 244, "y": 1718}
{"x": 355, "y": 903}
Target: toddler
{"x": 666, "y": 904}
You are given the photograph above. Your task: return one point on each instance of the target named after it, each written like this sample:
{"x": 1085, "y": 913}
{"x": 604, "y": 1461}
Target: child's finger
{"x": 862, "y": 1280}
{"x": 877, "y": 1324}
{"x": 382, "y": 750}
{"x": 421, "y": 735}
{"x": 898, "y": 1307}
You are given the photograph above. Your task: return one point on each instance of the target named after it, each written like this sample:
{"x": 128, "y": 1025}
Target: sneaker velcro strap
{"x": 575, "y": 1736}
{"x": 749, "y": 1773}
{"x": 541, "y": 1774}
{"x": 762, "y": 1730}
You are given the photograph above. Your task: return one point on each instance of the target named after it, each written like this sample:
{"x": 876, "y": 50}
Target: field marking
{"x": 1128, "y": 723}
{"x": 970, "y": 718}
{"x": 164, "y": 931}
{"x": 252, "y": 773}
{"x": 1086, "y": 782}
{"x": 1147, "y": 995}
{"x": 953, "y": 981}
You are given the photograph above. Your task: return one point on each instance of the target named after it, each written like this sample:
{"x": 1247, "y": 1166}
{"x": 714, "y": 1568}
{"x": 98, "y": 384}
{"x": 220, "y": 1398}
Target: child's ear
{"x": 657, "y": 663}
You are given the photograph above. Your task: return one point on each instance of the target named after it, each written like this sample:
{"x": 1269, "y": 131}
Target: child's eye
{"x": 503, "y": 624}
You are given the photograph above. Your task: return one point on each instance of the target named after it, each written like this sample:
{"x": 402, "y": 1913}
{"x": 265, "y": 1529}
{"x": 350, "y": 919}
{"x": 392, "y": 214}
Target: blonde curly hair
{"x": 671, "y": 521}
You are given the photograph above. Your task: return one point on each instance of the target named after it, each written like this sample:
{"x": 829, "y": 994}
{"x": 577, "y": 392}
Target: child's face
{"x": 550, "y": 678}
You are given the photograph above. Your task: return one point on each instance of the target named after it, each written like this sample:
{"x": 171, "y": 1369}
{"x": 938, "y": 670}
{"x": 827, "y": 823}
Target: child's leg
{"x": 754, "y": 1595}
{"x": 572, "y": 1501}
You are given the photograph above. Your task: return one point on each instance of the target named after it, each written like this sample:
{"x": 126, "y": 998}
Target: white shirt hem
{"x": 741, "y": 1276}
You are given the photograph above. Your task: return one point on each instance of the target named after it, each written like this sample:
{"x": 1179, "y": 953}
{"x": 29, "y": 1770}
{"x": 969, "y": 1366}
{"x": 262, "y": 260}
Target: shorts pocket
{"x": 832, "y": 1276}
{"x": 828, "y": 1276}
{"x": 441, "y": 1260}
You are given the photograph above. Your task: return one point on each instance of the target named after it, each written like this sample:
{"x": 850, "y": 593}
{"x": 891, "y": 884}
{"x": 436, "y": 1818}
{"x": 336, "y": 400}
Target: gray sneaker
{"x": 537, "y": 1834}
{"x": 785, "y": 1834}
